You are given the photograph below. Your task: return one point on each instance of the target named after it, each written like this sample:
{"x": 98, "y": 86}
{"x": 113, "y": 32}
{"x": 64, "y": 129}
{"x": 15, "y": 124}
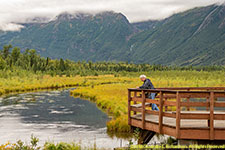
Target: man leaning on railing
{"x": 148, "y": 85}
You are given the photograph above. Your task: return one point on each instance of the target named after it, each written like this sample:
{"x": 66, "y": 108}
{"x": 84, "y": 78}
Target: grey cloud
{"x": 20, "y": 11}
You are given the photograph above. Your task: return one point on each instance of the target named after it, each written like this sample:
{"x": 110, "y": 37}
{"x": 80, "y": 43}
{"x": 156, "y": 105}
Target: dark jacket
{"x": 147, "y": 84}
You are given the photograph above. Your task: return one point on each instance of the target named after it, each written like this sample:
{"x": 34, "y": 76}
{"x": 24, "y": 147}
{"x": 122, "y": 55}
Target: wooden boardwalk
{"x": 184, "y": 113}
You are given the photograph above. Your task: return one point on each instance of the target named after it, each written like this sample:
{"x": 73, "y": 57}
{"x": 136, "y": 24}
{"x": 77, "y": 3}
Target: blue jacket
{"x": 147, "y": 84}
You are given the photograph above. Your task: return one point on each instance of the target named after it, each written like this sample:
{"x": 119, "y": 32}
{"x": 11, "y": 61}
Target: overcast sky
{"x": 135, "y": 10}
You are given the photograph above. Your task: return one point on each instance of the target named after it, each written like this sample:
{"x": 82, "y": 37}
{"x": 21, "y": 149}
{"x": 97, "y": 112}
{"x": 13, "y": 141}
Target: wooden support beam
{"x": 178, "y": 115}
{"x": 169, "y": 103}
{"x": 136, "y": 99}
{"x": 152, "y": 101}
{"x": 207, "y": 101}
{"x": 135, "y": 102}
{"x": 194, "y": 104}
{"x": 160, "y": 112}
{"x": 135, "y": 109}
{"x": 166, "y": 107}
{"x": 188, "y": 100}
{"x": 129, "y": 108}
{"x": 152, "y": 112}
{"x": 143, "y": 110}
{"x": 211, "y": 116}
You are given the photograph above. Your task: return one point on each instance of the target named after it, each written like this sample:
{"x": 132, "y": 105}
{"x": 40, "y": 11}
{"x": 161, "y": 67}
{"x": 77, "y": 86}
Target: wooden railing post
{"x": 207, "y": 100}
{"x": 129, "y": 108}
{"x": 211, "y": 116}
{"x": 177, "y": 115}
{"x": 166, "y": 107}
{"x": 160, "y": 111}
{"x": 188, "y": 100}
{"x": 135, "y": 95}
{"x": 143, "y": 109}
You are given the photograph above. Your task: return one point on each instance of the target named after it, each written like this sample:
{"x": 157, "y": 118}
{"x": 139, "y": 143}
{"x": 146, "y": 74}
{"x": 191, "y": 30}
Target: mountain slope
{"x": 79, "y": 37}
{"x": 193, "y": 37}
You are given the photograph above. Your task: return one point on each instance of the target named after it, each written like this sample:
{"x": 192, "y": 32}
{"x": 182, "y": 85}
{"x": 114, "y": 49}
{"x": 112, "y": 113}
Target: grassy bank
{"x": 112, "y": 97}
{"x": 109, "y": 92}
{"x": 25, "y": 81}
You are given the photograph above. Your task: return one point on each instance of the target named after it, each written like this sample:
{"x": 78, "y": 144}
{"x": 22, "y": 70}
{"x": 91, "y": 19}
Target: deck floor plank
{"x": 185, "y": 123}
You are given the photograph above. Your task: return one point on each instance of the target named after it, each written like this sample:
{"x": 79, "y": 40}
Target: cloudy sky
{"x": 12, "y": 11}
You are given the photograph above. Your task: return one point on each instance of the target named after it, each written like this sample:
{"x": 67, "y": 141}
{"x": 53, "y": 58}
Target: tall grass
{"x": 109, "y": 92}
{"x": 112, "y": 97}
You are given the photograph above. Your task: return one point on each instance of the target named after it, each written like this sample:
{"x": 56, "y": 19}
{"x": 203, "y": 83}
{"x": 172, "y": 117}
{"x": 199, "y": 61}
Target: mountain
{"x": 77, "y": 37}
{"x": 193, "y": 37}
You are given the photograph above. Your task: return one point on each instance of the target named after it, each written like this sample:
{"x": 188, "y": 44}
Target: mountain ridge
{"x": 193, "y": 37}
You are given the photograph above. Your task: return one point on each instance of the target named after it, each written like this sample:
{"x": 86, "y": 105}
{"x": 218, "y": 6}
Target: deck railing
{"x": 178, "y": 103}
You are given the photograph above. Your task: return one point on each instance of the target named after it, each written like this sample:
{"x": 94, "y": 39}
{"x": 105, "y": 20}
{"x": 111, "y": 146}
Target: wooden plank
{"x": 188, "y": 100}
{"x": 160, "y": 112}
{"x": 136, "y": 123}
{"x": 136, "y": 99}
{"x": 152, "y": 101}
{"x": 143, "y": 110}
{"x": 219, "y": 94}
{"x": 140, "y": 105}
{"x": 194, "y": 94}
{"x": 219, "y": 104}
{"x": 129, "y": 108}
{"x": 169, "y": 103}
{"x": 197, "y": 134}
{"x": 194, "y": 104}
{"x": 193, "y": 88}
{"x": 152, "y": 126}
{"x": 135, "y": 109}
{"x": 207, "y": 101}
{"x": 171, "y": 115}
{"x": 178, "y": 115}
{"x": 219, "y": 117}
{"x": 219, "y": 134}
{"x": 211, "y": 116}
{"x": 152, "y": 112}
{"x": 168, "y": 96}
{"x": 169, "y": 131}
{"x": 166, "y": 107}
{"x": 194, "y": 116}
{"x": 135, "y": 102}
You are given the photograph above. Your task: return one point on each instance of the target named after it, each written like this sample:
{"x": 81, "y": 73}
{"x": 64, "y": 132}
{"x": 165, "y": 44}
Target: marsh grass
{"x": 109, "y": 92}
{"x": 112, "y": 97}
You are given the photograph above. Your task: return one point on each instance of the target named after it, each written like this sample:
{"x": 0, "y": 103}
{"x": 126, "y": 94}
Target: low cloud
{"x": 20, "y": 11}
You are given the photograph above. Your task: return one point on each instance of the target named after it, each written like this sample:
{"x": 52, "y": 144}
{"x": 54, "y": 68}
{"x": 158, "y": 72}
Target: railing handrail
{"x": 210, "y": 102}
{"x": 174, "y": 91}
{"x": 193, "y": 88}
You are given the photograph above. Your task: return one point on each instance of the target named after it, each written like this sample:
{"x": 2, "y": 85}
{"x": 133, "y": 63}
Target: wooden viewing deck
{"x": 184, "y": 113}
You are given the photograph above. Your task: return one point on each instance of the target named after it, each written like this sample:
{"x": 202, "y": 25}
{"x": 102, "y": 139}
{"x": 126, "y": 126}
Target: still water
{"x": 54, "y": 116}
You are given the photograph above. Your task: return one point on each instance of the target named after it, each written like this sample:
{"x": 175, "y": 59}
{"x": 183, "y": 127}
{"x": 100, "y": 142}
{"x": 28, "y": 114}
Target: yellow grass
{"x": 109, "y": 92}
{"x": 113, "y": 97}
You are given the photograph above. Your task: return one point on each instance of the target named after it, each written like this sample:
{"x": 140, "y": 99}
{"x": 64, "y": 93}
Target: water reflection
{"x": 53, "y": 116}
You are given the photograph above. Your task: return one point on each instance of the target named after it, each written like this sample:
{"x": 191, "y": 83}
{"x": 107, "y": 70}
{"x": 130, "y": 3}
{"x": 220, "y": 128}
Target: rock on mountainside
{"x": 193, "y": 37}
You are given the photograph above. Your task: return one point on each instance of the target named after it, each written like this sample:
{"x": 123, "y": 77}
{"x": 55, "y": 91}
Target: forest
{"x": 11, "y": 58}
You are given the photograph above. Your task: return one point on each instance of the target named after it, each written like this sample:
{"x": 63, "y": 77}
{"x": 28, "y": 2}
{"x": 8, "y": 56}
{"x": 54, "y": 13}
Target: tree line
{"x": 12, "y": 57}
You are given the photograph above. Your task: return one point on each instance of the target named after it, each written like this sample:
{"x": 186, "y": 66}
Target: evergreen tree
{"x": 6, "y": 51}
{"x": 61, "y": 65}
{"x": 15, "y": 54}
